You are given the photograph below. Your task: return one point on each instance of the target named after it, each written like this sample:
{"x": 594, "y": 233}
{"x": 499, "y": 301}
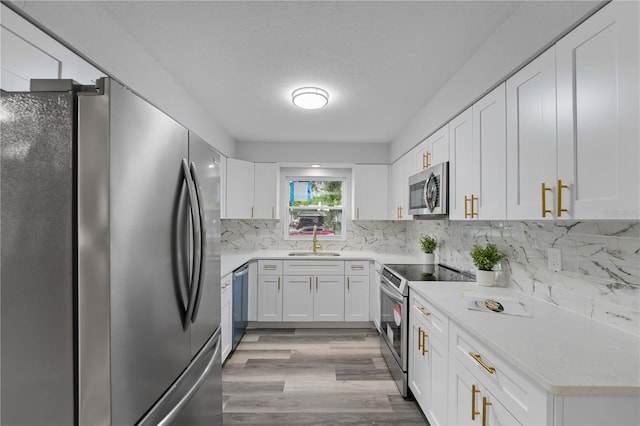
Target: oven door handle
{"x": 391, "y": 295}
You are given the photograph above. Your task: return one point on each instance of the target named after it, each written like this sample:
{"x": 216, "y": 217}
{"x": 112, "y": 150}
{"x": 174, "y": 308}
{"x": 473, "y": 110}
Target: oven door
{"x": 393, "y": 322}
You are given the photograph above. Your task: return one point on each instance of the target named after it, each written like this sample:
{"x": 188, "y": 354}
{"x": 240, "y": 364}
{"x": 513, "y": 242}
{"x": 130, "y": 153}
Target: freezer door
{"x": 195, "y": 399}
{"x": 205, "y": 169}
{"x": 36, "y": 273}
{"x": 133, "y": 284}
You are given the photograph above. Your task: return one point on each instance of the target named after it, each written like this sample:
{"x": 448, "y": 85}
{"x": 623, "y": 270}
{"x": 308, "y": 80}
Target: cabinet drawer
{"x": 269, "y": 267}
{"x": 356, "y": 267}
{"x": 436, "y": 322}
{"x": 314, "y": 267}
{"x": 523, "y": 398}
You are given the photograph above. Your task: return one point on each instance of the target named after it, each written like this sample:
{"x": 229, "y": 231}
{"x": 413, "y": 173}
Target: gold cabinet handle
{"x": 428, "y": 162}
{"x": 474, "y": 391}
{"x": 347, "y": 283}
{"x": 357, "y": 213}
{"x": 473, "y": 203}
{"x": 425, "y": 160}
{"x": 270, "y": 267}
{"x": 560, "y": 187}
{"x": 251, "y": 212}
{"x": 479, "y": 360}
{"x": 357, "y": 267}
{"x": 399, "y": 212}
{"x": 225, "y": 285}
{"x": 485, "y": 404}
{"x": 278, "y": 283}
{"x": 310, "y": 289}
{"x": 273, "y": 212}
{"x": 420, "y": 343}
{"x": 424, "y": 311}
{"x": 316, "y": 284}
{"x": 424, "y": 342}
{"x": 544, "y": 200}
{"x": 466, "y": 213}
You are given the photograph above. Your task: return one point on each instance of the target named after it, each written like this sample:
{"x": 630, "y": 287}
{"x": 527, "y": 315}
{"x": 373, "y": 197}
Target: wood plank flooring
{"x": 312, "y": 377}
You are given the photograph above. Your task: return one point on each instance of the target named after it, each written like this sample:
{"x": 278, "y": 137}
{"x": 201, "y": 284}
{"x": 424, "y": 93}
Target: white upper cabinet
{"x": 531, "y": 140}
{"x": 370, "y": 191}
{"x": 28, "y": 53}
{"x": 251, "y": 190}
{"x": 265, "y": 196}
{"x": 598, "y": 115}
{"x": 477, "y": 155}
{"x": 434, "y": 150}
{"x": 240, "y": 185}
{"x": 399, "y": 188}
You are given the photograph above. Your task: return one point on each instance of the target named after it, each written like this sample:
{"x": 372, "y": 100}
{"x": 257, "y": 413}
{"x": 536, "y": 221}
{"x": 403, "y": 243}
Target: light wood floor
{"x": 312, "y": 377}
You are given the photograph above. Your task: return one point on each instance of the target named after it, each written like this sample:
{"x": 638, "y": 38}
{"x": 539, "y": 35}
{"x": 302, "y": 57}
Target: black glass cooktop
{"x": 429, "y": 273}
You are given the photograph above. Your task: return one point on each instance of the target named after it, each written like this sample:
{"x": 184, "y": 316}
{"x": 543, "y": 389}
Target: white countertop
{"x": 563, "y": 352}
{"x": 233, "y": 260}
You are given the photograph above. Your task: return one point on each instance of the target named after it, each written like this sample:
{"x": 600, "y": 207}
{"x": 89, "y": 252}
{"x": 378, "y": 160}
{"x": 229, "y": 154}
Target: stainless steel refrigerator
{"x": 110, "y": 291}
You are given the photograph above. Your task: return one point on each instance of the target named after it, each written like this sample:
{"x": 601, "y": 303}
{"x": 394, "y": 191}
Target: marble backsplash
{"x": 600, "y": 275}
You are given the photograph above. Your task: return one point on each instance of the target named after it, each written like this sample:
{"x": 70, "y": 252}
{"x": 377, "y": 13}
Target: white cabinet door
{"x": 370, "y": 191}
{"x": 356, "y": 298}
{"x": 240, "y": 182}
{"x": 438, "y": 368}
{"x": 438, "y": 144}
{"x": 598, "y": 98}
{"x": 490, "y": 156}
{"x": 265, "y": 196}
{"x": 421, "y": 156}
{"x": 399, "y": 188}
{"x": 269, "y": 298}
{"x": 464, "y": 396}
{"x": 328, "y": 300}
{"x": 226, "y": 317}
{"x": 531, "y": 139}
{"x": 297, "y": 298}
{"x": 462, "y": 167}
{"x": 418, "y": 363}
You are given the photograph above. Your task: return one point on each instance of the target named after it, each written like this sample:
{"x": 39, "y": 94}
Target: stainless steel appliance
{"x": 394, "y": 311}
{"x": 240, "y": 303}
{"x": 429, "y": 192}
{"x": 110, "y": 307}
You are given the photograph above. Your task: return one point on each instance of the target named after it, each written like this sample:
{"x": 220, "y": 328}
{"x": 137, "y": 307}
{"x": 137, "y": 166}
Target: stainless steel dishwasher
{"x": 240, "y": 286}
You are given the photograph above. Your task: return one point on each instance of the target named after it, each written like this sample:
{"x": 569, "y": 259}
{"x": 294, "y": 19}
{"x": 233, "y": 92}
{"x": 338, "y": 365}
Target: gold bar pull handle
{"x": 347, "y": 283}
{"x": 428, "y": 162}
{"x": 251, "y": 212}
{"x": 466, "y": 212}
{"x": 316, "y": 284}
{"x": 400, "y": 209}
{"x": 278, "y": 283}
{"x": 544, "y": 200}
{"x": 479, "y": 360}
{"x": 424, "y": 312}
{"x": 560, "y": 187}
{"x": 474, "y": 391}
{"x": 357, "y": 213}
{"x": 420, "y": 338}
{"x": 485, "y": 404}
{"x": 310, "y": 289}
{"x": 473, "y": 203}
{"x": 424, "y": 342}
{"x": 273, "y": 212}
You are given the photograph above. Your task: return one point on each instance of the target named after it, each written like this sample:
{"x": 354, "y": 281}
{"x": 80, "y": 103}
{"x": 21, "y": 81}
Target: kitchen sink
{"x": 310, "y": 253}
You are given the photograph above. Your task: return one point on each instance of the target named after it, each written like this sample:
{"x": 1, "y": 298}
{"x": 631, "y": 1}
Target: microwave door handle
{"x": 395, "y": 297}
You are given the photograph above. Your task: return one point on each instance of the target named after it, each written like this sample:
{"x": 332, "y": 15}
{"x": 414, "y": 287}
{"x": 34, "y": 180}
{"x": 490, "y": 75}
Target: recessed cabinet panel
{"x": 462, "y": 167}
{"x": 370, "y": 191}
{"x": 265, "y": 191}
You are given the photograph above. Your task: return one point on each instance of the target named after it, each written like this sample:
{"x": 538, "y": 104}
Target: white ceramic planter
{"x": 429, "y": 258}
{"x": 485, "y": 278}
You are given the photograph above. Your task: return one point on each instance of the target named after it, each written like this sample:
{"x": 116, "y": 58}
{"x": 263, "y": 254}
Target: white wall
{"x": 364, "y": 153}
{"x": 82, "y": 25}
{"x": 531, "y": 28}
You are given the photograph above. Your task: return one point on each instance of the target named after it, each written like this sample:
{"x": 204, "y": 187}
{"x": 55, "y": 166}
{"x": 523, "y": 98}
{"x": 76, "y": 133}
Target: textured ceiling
{"x": 380, "y": 61}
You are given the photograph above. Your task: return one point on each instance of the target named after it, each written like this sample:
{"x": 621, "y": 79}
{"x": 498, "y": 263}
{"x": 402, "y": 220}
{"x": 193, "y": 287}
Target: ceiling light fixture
{"x": 310, "y": 97}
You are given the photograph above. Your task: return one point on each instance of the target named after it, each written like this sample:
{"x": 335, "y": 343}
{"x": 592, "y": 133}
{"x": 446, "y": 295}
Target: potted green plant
{"x": 428, "y": 245}
{"x": 485, "y": 258}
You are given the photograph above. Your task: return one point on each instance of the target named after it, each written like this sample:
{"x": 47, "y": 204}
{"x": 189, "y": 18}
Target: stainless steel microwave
{"x": 429, "y": 192}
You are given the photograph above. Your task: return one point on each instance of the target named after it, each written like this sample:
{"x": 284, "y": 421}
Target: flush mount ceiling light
{"x": 310, "y": 97}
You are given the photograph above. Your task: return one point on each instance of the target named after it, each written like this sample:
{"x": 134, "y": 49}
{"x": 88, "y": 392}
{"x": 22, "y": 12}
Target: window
{"x": 315, "y": 202}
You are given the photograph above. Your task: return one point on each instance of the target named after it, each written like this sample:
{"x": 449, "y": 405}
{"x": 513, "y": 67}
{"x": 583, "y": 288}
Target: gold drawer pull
{"x": 544, "y": 200}
{"x": 225, "y": 285}
{"x": 479, "y": 360}
{"x": 420, "y": 343}
{"x": 424, "y": 312}
{"x": 485, "y": 404}
{"x": 424, "y": 343}
{"x": 270, "y": 267}
{"x": 474, "y": 391}
{"x": 278, "y": 283}
{"x": 357, "y": 267}
{"x": 559, "y": 201}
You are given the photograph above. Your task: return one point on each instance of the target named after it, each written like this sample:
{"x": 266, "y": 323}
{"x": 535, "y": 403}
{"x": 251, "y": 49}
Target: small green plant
{"x": 485, "y": 258}
{"x": 428, "y": 244}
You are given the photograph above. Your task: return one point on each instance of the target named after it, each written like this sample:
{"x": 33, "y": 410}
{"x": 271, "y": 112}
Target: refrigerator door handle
{"x": 203, "y": 241}
{"x": 197, "y": 244}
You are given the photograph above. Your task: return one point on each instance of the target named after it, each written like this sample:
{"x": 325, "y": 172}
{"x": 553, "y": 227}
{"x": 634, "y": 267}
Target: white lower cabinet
{"x": 428, "y": 359}
{"x": 297, "y": 298}
{"x": 269, "y": 290}
{"x": 226, "y": 315}
{"x": 356, "y": 290}
{"x": 328, "y": 299}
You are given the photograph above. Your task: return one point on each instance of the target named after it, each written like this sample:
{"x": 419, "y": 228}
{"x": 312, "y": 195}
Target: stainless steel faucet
{"x": 316, "y": 245}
